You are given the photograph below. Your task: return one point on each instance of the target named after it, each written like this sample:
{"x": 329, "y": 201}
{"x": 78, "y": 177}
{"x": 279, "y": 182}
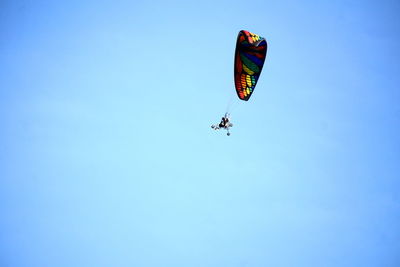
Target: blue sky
{"x": 107, "y": 157}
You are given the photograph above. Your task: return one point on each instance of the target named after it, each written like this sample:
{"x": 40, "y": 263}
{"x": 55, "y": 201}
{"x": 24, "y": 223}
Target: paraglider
{"x": 224, "y": 124}
{"x": 250, "y": 53}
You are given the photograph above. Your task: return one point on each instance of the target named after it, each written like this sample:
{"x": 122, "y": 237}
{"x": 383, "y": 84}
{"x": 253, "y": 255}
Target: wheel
{"x": 228, "y": 134}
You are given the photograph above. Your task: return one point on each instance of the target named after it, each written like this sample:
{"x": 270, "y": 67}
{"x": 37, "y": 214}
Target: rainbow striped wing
{"x": 250, "y": 54}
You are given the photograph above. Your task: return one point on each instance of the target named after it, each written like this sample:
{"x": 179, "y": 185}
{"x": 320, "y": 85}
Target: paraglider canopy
{"x": 251, "y": 50}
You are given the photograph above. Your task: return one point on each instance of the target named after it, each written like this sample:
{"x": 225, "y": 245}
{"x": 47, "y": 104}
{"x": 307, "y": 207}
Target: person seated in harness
{"x": 224, "y": 122}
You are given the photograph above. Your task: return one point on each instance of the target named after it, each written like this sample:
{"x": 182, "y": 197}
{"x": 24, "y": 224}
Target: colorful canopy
{"x": 250, "y": 53}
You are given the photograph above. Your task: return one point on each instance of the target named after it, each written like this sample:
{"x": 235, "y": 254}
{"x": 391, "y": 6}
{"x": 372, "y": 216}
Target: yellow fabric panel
{"x": 248, "y": 80}
{"x": 247, "y": 70}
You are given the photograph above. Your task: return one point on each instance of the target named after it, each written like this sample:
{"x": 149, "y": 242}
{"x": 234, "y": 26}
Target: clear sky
{"x": 107, "y": 157}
